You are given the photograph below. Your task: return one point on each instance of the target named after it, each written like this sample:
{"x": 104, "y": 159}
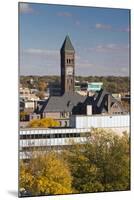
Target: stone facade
{"x": 67, "y": 66}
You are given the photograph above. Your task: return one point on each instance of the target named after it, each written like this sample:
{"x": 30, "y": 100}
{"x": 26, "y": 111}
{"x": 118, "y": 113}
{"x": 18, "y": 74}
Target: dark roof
{"x": 67, "y": 45}
{"x": 75, "y": 103}
{"x": 66, "y": 102}
{"x": 100, "y": 99}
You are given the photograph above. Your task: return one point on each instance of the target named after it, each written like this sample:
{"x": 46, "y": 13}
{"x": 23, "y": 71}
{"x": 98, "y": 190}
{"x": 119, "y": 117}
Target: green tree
{"x": 86, "y": 175}
{"x": 110, "y": 153}
{"x": 101, "y": 164}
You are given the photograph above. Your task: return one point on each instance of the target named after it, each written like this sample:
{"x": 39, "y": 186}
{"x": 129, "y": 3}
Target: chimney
{"x": 89, "y": 110}
{"x": 109, "y": 103}
{"x": 35, "y": 105}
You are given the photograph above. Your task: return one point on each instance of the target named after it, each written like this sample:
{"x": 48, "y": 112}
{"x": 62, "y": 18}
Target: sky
{"x": 100, "y": 37}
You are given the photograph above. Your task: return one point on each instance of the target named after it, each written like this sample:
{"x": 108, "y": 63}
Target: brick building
{"x": 71, "y": 103}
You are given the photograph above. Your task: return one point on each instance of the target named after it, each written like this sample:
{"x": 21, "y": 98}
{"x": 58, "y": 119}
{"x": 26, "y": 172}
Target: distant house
{"x": 26, "y": 94}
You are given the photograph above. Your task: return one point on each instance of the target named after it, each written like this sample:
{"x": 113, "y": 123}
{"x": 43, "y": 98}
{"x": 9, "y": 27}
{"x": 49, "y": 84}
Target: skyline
{"x": 101, "y": 33}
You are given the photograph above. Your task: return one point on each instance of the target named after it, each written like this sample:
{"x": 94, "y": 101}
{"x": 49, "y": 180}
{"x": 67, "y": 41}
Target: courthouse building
{"x": 77, "y": 114}
{"x": 70, "y": 103}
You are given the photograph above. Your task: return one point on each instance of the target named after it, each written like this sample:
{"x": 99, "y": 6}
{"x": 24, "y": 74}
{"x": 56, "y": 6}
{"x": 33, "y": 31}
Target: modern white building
{"x": 118, "y": 123}
{"x": 57, "y": 138}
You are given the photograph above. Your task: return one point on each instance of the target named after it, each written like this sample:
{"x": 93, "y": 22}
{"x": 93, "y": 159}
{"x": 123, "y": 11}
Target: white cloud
{"x": 110, "y": 28}
{"x": 109, "y": 48}
{"x": 25, "y": 8}
{"x": 103, "y": 26}
{"x": 41, "y": 52}
{"x": 39, "y": 61}
{"x": 83, "y": 63}
{"x": 127, "y": 30}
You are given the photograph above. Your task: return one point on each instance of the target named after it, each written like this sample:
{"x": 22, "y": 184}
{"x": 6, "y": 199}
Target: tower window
{"x": 69, "y": 61}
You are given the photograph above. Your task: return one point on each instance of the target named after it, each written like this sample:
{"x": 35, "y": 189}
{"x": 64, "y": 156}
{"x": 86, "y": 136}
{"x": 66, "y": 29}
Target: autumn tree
{"x": 45, "y": 174}
{"x": 101, "y": 163}
{"x": 42, "y": 85}
{"x": 41, "y": 95}
{"x": 43, "y": 123}
{"x": 23, "y": 115}
{"x": 86, "y": 175}
{"x": 110, "y": 153}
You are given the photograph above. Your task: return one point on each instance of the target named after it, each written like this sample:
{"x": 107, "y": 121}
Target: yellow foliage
{"x": 45, "y": 174}
{"x": 23, "y": 115}
{"x": 101, "y": 164}
{"x": 43, "y": 123}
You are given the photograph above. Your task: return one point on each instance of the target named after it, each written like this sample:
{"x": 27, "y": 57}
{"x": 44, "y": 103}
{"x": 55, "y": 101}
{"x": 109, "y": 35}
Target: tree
{"x": 43, "y": 123}
{"x": 110, "y": 153}
{"x": 45, "y": 174}
{"x": 23, "y": 115}
{"x": 42, "y": 85}
{"x": 101, "y": 164}
{"x": 41, "y": 95}
{"x": 86, "y": 175}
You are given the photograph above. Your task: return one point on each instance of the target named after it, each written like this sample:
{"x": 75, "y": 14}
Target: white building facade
{"x": 58, "y": 138}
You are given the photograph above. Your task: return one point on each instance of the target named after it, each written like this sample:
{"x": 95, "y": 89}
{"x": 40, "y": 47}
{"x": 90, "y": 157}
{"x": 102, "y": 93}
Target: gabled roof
{"x": 100, "y": 99}
{"x": 66, "y": 102}
{"x": 67, "y": 45}
{"x": 75, "y": 103}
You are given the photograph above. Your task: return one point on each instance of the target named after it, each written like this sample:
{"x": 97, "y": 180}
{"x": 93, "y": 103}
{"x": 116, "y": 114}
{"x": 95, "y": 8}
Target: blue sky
{"x": 100, "y": 37}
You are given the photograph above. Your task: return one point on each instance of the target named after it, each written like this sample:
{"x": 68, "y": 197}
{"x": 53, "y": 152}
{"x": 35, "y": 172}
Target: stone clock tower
{"x": 67, "y": 66}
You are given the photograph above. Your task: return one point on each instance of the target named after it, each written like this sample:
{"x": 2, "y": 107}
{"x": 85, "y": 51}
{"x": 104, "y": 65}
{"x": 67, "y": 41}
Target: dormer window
{"x": 68, "y": 103}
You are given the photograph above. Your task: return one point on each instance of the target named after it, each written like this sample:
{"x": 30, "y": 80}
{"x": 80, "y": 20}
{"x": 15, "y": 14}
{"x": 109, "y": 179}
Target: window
{"x": 65, "y": 123}
{"x": 62, "y": 114}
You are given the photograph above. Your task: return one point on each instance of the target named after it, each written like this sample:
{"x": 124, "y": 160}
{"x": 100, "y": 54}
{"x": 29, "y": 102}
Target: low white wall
{"x": 100, "y": 121}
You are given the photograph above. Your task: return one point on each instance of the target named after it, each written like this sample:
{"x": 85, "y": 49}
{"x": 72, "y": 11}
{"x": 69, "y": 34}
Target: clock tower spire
{"x": 67, "y": 53}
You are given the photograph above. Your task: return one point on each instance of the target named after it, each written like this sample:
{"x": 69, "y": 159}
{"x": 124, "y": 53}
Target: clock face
{"x": 69, "y": 71}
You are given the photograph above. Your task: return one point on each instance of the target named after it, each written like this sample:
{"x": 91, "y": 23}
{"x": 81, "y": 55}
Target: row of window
{"x": 43, "y": 148}
{"x": 70, "y": 61}
{"x": 47, "y": 136}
